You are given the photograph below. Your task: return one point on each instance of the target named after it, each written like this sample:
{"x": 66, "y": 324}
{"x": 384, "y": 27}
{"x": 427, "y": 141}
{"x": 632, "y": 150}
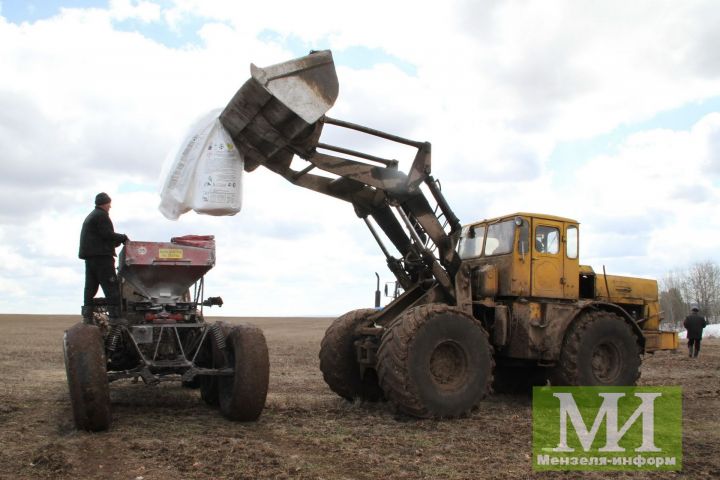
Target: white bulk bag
{"x": 217, "y": 188}
{"x": 203, "y": 173}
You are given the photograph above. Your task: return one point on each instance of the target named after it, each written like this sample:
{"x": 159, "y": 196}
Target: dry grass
{"x": 305, "y": 431}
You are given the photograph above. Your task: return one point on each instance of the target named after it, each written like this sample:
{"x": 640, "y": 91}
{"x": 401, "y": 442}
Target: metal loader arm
{"x": 279, "y": 113}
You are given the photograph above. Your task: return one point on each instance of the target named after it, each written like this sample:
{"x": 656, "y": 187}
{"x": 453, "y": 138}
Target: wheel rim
{"x": 448, "y": 366}
{"x": 606, "y": 362}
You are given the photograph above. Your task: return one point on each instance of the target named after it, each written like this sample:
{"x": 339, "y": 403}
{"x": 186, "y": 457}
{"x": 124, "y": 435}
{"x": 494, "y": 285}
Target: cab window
{"x": 547, "y": 240}
{"x": 500, "y": 238}
{"x": 471, "y": 241}
{"x": 572, "y": 242}
{"x": 523, "y": 236}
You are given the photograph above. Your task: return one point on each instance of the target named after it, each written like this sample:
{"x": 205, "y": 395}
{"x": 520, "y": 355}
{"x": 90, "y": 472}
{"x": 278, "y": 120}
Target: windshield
{"x": 500, "y": 238}
{"x": 471, "y": 241}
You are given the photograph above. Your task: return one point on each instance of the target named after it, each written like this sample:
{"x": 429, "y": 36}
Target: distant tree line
{"x": 698, "y": 286}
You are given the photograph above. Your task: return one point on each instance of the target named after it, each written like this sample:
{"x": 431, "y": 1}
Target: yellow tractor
{"x": 501, "y": 303}
{"x": 548, "y": 314}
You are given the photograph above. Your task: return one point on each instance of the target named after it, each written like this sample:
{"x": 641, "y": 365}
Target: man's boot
{"x": 690, "y": 350}
{"x": 88, "y": 318}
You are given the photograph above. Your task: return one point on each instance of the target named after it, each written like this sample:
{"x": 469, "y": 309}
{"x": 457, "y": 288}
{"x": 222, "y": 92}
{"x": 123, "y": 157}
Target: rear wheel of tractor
{"x": 86, "y": 369}
{"x": 518, "y": 380}
{"x": 242, "y": 395}
{"x": 209, "y": 383}
{"x": 599, "y": 350}
{"x": 435, "y": 362}
{"x": 338, "y": 359}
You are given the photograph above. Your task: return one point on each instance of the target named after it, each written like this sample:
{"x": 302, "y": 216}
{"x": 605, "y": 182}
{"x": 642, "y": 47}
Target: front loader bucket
{"x": 308, "y": 85}
{"x": 275, "y": 113}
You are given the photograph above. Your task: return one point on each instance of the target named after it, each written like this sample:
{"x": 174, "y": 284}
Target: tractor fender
{"x": 560, "y": 318}
{"x": 611, "y": 307}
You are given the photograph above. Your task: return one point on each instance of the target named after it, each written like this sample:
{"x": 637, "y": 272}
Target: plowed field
{"x": 305, "y": 432}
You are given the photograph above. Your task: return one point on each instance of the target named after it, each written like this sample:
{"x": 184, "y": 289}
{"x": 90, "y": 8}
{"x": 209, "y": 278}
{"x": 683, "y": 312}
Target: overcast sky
{"x": 606, "y": 112}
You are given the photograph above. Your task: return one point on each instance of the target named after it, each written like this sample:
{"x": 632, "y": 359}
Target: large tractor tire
{"x": 86, "y": 369}
{"x": 518, "y": 380}
{"x": 338, "y": 359}
{"x": 435, "y": 362}
{"x": 599, "y": 349}
{"x": 242, "y": 395}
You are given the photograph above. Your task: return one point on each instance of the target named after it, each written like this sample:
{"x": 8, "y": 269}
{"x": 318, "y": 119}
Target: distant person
{"x": 98, "y": 242}
{"x": 694, "y": 324}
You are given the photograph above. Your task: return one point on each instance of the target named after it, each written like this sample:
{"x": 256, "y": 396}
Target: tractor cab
{"x": 522, "y": 254}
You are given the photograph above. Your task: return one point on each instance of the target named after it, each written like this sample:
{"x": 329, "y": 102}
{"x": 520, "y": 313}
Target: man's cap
{"x": 695, "y": 309}
{"x": 102, "y": 198}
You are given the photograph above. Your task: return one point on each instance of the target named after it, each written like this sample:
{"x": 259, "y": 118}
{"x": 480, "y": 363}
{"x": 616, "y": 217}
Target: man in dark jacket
{"x": 98, "y": 241}
{"x": 694, "y": 324}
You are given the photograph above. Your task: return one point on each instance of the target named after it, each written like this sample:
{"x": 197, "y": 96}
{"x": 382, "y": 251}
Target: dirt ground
{"x": 305, "y": 432}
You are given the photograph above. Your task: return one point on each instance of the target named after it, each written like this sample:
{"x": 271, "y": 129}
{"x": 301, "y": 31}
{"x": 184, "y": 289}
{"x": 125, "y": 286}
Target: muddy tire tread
{"x": 337, "y": 359}
{"x": 86, "y": 370}
{"x": 567, "y": 372}
{"x": 242, "y": 397}
{"x": 393, "y": 363}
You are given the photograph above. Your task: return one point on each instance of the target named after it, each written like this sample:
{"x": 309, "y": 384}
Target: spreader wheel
{"x": 86, "y": 368}
{"x": 242, "y": 395}
{"x": 435, "y": 361}
{"x": 209, "y": 383}
{"x": 338, "y": 359}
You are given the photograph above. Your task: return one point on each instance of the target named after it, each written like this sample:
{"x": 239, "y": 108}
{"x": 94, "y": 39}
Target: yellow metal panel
{"x": 536, "y": 317}
{"x": 488, "y": 280}
{"x": 660, "y": 340}
{"x": 626, "y": 289}
{"x": 587, "y": 270}
{"x": 653, "y": 316}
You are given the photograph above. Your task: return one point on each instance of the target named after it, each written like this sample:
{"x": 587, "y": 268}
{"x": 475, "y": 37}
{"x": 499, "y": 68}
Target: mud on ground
{"x": 305, "y": 432}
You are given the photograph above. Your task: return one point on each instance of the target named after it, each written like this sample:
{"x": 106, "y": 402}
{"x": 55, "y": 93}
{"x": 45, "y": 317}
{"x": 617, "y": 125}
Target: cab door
{"x": 547, "y": 259}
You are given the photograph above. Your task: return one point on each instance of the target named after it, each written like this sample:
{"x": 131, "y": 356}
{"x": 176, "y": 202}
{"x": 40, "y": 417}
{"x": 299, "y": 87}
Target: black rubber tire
{"x": 338, "y": 359}
{"x": 242, "y": 395}
{"x": 86, "y": 369}
{"x": 435, "y": 362}
{"x": 209, "y": 383}
{"x": 518, "y": 380}
{"x": 600, "y": 349}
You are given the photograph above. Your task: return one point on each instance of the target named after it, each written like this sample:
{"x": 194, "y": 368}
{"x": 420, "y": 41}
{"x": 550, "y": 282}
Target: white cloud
{"x": 141, "y": 10}
{"x": 653, "y": 199}
{"x": 86, "y": 107}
